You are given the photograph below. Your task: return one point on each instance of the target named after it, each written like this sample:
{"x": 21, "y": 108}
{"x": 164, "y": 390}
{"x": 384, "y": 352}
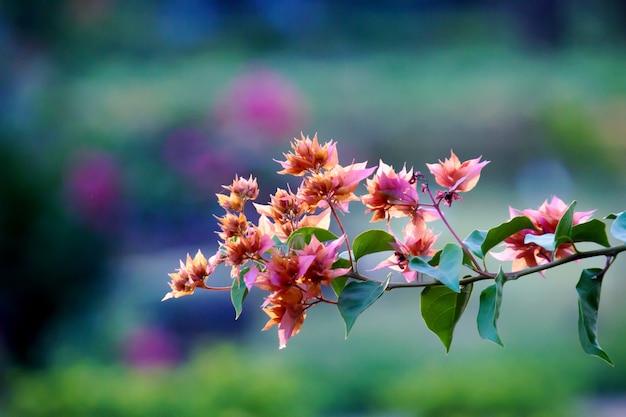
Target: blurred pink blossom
{"x": 93, "y": 185}
{"x": 147, "y": 347}
{"x": 261, "y": 105}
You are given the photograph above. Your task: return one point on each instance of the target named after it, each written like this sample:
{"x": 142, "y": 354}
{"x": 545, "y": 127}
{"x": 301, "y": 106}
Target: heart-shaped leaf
{"x": 489, "y": 309}
{"x": 442, "y": 308}
{"x": 356, "y": 297}
{"x": 305, "y": 233}
{"x": 474, "y": 241}
{"x": 338, "y": 284}
{"x": 618, "y": 228}
{"x": 238, "y": 292}
{"x": 592, "y": 231}
{"x": 499, "y": 233}
{"x": 371, "y": 241}
{"x": 450, "y": 262}
{"x": 563, "y": 231}
{"x": 588, "y": 289}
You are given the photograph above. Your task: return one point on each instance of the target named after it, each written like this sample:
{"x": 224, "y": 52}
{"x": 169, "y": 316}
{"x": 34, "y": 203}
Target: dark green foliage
{"x": 442, "y": 308}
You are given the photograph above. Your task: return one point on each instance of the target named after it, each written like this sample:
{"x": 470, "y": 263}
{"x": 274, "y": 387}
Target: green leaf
{"x": 305, "y": 233}
{"x": 371, "y": 241}
{"x": 238, "y": 292}
{"x": 296, "y": 241}
{"x": 588, "y": 289}
{"x": 338, "y": 284}
{"x": 450, "y": 266}
{"x": 489, "y": 309}
{"x": 356, "y": 297}
{"x": 341, "y": 263}
{"x": 618, "y": 228}
{"x": 546, "y": 240}
{"x": 563, "y": 231}
{"x": 442, "y": 308}
{"x": 474, "y": 241}
{"x": 434, "y": 260}
{"x": 501, "y": 232}
{"x": 592, "y": 231}
{"x": 450, "y": 262}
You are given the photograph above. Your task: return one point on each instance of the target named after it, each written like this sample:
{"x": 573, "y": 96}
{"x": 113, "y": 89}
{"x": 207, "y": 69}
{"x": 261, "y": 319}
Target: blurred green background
{"x": 119, "y": 121}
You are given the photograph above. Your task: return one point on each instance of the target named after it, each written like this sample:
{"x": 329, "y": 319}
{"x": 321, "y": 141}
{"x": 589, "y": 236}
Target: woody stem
{"x": 436, "y": 205}
{"x": 343, "y": 232}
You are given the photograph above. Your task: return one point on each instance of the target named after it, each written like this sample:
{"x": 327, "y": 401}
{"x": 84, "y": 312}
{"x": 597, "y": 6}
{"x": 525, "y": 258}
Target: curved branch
{"x": 608, "y": 252}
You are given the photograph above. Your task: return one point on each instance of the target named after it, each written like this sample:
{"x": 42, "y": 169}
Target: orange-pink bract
{"x": 190, "y": 275}
{"x": 316, "y": 263}
{"x": 455, "y": 175}
{"x": 285, "y": 305}
{"x": 293, "y": 272}
{"x": 545, "y": 220}
{"x": 418, "y": 241}
{"x": 308, "y": 156}
{"x": 390, "y": 194}
{"x": 286, "y": 311}
{"x": 288, "y": 212}
{"x": 232, "y": 225}
{"x": 334, "y": 187}
{"x": 295, "y": 279}
{"x": 251, "y": 245}
{"x": 241, "y": 190}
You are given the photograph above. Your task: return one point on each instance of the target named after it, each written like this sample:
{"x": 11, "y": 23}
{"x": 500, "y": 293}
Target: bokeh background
{"x": 119, "y": 121}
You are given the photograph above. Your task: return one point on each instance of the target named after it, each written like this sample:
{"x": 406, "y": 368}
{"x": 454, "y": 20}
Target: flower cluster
{"x": 262, "y": 255}
{"x": 545, "y": 219}
{"x": 456, "y": 176}
{"x": 291, "y": 254}
{"x": 294, "y": 273}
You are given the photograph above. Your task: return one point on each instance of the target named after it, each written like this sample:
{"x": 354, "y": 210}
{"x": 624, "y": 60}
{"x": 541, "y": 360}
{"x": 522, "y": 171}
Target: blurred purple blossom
{"x": 93, "y": 185}
{"x": 260, "y": 106}
{"x": 150, "y": 347}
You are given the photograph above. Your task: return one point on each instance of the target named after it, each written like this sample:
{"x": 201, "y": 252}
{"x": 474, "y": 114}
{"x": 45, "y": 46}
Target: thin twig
{"x": 611, "y": 252}
{"x": 343, "y": 232}
{"x": 436, "y": 203}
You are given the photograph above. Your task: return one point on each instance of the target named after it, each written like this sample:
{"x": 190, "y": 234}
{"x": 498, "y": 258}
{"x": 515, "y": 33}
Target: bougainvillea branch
{"x": 292, "y": 255}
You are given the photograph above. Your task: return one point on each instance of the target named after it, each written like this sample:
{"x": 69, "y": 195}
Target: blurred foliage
{"x": 52, "y": 258}
{"x": 577, "y": 134}
{"x": 129, "y": 97}
{"x": 231, "y": 381}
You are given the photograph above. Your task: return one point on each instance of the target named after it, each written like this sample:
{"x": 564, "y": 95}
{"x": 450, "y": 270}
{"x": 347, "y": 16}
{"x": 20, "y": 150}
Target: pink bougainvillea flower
{"x": 284, "y": 206}
{"x": 316, "y": 264}
{"x": 418, "y": 241}
{"x": 321, "y": 220}
{"x": 334, "y": 187}
{"x": 289, "y": 213}
{"x": 287, "y": 310}
{"x": 94, "y": 184}
{"x": 262, "y": 101}
{"x": 390, "y": 194}
{"x": 295, "y": 281}
{"x": 455, "y": 175}
{"x": 286, "y": 304}
{"x": 247, "y": 189}
{"x": 251, "y": 245}
{"x": 545, "y": 220}
{"x": 191, "y": 275}
{"x": 282, "y": 272}
{"x": 241, "y": 190}
{"x": 309, "y": 157}
{"x": 232, "y": 225}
